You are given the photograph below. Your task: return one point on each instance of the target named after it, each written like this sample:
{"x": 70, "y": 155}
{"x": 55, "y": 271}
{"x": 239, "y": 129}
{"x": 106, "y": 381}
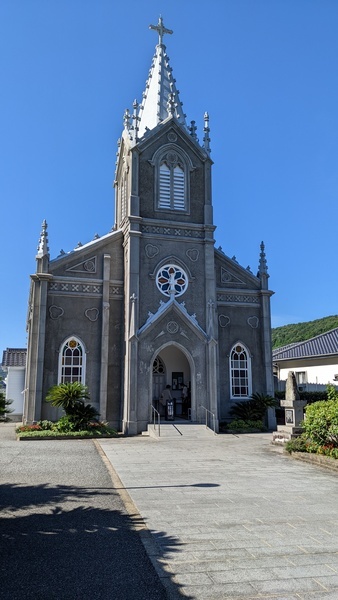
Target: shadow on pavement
{"x": 69, "y": 543}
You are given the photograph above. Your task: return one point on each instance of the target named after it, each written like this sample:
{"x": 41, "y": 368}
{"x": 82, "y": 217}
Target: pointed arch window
{"x": 240, "y": 372}
{"x": 172, "y": 192}
{"x": 72, "y": 362}
{"x": 158, "y": 366}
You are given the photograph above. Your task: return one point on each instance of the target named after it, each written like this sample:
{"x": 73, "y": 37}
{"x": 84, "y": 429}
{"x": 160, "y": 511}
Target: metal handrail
{"x": 155, "y": 414}
{"x": 213, "y": 419}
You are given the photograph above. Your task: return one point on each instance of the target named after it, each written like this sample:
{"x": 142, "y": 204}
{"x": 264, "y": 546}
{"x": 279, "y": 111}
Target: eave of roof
{"x": 14, "y": 357}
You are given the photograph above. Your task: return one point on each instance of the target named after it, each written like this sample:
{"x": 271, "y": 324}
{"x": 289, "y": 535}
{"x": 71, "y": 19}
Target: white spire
{"x": 161, "y": 98}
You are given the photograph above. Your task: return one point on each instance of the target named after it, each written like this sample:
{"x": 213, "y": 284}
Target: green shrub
{"x": 253, "y": 409}
{"x": 64, "y": 425}
{"x": 82, "y": 415}
{"x": 45, "y": 434}
{"x": 297, "y": 444}
{"x": 310, "y": 397}
{"x": 332, "y": 393}
{"x": 329, "y": 450}
{"x": 243, "y": 425}
{"x": 45, "y": 424}
{"x": 321, "y": 423}
{"x": 71, "y": 397}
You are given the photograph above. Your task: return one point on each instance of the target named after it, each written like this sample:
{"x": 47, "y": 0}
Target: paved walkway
{"x": 231, "y": 516}
{"x": 64, "y": 532}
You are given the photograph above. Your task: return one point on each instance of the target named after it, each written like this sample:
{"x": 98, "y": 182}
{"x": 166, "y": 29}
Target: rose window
{"x": 171, "y": 279}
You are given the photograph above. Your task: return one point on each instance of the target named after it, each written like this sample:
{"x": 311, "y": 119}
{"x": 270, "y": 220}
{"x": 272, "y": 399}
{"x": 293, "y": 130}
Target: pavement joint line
{"x": 138, "y": 521}
{"x": 140, "y": 526}
{"x": 321, "y": 585}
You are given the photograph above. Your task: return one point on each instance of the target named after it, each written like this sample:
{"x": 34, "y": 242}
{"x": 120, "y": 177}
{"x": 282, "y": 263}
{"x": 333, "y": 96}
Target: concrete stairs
{"x": 177, "y": 430}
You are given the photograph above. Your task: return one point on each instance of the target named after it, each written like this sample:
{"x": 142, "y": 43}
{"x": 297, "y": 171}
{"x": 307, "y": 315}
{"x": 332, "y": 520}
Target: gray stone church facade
{"x": 152, "y": 302}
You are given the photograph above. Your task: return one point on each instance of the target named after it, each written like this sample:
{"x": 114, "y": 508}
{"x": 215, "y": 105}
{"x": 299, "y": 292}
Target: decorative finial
{"x": 126, "y": 119}
{"x": 136, "y": 119}
{"x": 171, "y": 104}
{"x": 42, "y": 248}
{"x": 206, "y": 129}
{"x": 193, "y": 130}
{"x": 263, "y": 267}
{"x": 161, "y": 30}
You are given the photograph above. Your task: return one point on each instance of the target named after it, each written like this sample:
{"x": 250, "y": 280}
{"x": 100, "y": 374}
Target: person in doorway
{"x": 184, "y": 400}
{"x": 165, "y": 396}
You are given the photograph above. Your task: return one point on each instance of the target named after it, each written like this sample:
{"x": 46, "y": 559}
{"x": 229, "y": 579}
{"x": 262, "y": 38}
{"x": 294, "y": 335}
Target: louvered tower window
{"x": 172, "y": 183}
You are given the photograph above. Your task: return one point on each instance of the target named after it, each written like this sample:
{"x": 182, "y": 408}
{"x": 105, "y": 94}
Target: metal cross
{"x": 161, "y": 30}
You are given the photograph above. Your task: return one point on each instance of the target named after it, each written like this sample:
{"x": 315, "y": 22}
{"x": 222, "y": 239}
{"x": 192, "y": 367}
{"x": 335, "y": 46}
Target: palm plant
{"x": 253, "y": 409}
{"x": 66, "y": 395}
{"x": 71, "y": 397}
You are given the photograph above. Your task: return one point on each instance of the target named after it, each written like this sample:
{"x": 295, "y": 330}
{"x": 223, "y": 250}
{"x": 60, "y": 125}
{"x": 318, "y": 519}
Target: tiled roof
{"x": 321, "y": 345}
{"x": 14, "y": 357}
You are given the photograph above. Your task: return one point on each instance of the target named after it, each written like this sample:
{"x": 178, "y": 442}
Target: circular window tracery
{"x": 171, "y": 279}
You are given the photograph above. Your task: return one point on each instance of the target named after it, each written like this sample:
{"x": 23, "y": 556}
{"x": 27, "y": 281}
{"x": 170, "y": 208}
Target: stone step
{"x": 179, "y": 430}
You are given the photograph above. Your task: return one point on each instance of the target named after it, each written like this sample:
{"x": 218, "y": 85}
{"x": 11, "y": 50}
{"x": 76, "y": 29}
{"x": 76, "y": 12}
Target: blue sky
{"x": 265, "y": 70}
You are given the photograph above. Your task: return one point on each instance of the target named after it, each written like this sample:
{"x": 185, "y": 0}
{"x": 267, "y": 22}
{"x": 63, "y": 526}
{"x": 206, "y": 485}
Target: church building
{"x": 152, "y": 302}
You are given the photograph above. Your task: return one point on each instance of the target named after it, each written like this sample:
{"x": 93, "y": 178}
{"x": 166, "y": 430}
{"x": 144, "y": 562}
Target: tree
{"x": 4, "y": 407}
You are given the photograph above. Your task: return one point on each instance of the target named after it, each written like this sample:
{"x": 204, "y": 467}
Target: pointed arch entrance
{"x": 173, "y": 365}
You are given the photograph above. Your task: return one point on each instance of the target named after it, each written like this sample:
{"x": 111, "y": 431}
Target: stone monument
{"x": 294, "y": 413}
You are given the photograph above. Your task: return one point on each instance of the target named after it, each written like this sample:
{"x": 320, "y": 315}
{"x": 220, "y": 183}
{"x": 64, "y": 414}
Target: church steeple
{"x": 161, "y": 97}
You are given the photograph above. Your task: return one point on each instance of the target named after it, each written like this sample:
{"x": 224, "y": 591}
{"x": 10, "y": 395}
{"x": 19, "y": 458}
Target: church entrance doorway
{"x": 171, "y": 367}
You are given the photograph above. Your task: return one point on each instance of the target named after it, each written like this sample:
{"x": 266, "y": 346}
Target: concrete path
{"x": 231, "y": 516}
{"x": 65, "y": 533}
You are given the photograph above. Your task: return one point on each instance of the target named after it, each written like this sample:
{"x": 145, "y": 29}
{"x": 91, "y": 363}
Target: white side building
{"x": 14, "y": 364}
{"x": 314, "y": 362}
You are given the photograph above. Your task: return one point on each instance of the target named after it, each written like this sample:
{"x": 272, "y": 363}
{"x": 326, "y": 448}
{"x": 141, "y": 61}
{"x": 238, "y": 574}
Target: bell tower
{"x": 164, "y": 208}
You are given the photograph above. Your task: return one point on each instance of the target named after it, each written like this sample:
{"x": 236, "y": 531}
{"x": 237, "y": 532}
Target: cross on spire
{"x": 161, "y": 30}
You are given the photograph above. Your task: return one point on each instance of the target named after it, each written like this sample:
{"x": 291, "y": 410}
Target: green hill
{"x": 299, "y": 332}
